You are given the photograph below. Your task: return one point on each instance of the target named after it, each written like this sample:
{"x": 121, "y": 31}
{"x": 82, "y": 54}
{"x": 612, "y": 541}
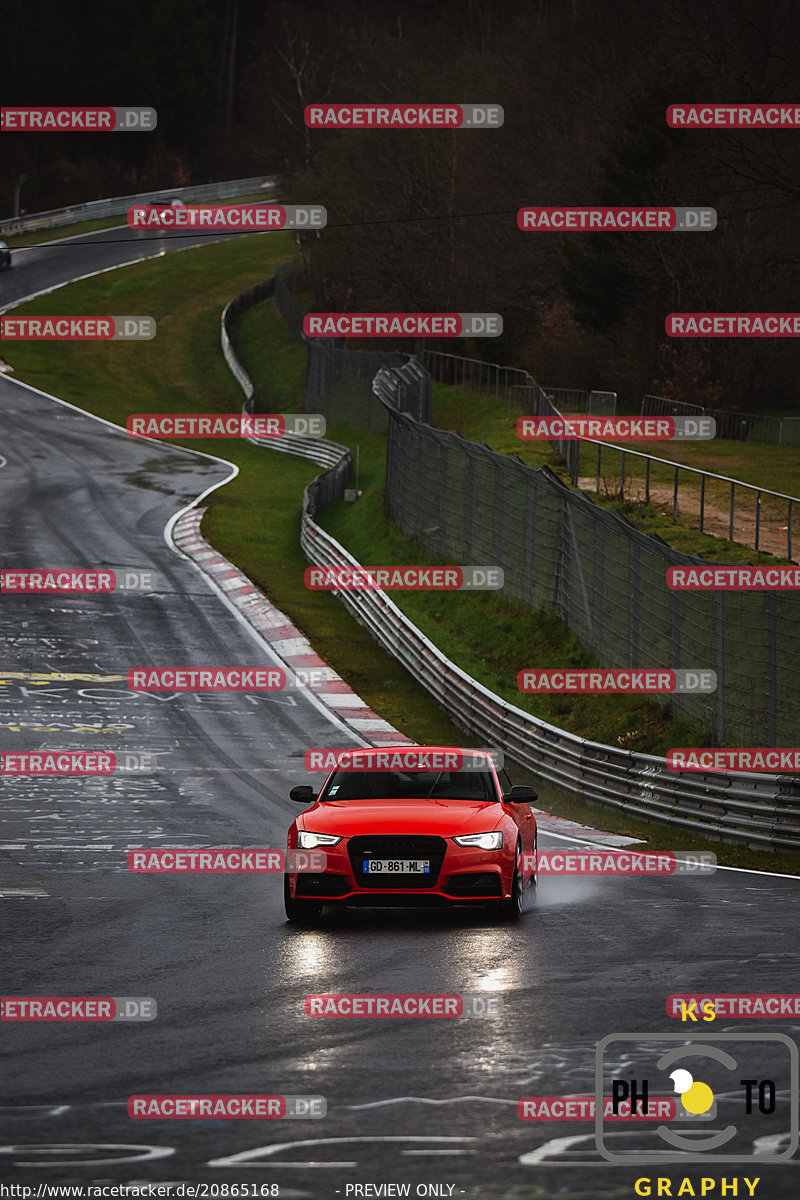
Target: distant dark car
{"x": 5, "y": 255}
{"x": 161, "y": 206}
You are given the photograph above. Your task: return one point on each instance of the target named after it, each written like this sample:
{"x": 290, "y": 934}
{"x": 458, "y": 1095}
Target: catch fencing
{"x": 571, "y": 401}
{"x": 736, "y": 426}
{"x": 604, "y": 579}
{"x": 338, "y": 380}
{"x": 762, "y": 811}
{"x": 118, "y": 205}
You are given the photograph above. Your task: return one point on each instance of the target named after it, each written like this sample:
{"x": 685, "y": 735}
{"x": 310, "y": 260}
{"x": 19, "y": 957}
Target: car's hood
{"x": 447, "y": 817}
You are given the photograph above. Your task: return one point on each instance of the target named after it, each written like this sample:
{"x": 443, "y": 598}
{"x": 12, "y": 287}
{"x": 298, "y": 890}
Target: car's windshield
{"x": 410, "y": 785}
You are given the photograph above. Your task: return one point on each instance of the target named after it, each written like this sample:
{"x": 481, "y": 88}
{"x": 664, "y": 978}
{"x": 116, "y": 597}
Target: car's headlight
{"x": 310, "y": 841}
{"x": 484, "y": 841}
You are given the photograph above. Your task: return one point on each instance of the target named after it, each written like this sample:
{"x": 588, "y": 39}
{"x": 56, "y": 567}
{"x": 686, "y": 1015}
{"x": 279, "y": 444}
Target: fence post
{"x": 675, "y": 499}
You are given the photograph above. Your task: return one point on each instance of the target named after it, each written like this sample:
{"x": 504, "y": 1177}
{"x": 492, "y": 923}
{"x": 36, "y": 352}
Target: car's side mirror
{"x": 521, "y": 794}
{"x": 303, "y": 794}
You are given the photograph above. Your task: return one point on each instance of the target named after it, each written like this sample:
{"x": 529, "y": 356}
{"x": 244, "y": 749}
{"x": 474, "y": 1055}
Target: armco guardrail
{"x": 318, "y": 450}
{"x": 117, "y": 205}
{"x": 763, "y": 811}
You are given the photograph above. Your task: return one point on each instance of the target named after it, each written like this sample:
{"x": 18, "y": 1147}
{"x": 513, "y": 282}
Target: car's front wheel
{"x": 511, "y": 909}
{"x": 299, "y": 912}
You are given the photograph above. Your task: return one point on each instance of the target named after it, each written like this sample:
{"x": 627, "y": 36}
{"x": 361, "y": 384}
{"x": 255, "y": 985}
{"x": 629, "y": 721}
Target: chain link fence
{"x": 571, "y": 401}
{"x": 559, "y": 551}
{"x": 338, "y": 380}
{"x": 736, "y": 426}
{"x": 605, "y": 579}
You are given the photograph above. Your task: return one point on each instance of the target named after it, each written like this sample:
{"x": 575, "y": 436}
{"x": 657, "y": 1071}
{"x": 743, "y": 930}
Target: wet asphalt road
{"x": 422, "y": 1102}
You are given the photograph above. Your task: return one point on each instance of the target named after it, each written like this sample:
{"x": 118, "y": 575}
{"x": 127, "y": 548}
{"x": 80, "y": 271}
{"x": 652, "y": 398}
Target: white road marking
{"x": 742, "y": 870}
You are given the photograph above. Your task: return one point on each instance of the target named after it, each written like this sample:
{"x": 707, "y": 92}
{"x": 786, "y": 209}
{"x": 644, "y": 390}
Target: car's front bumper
{"x": 456, "y": 875}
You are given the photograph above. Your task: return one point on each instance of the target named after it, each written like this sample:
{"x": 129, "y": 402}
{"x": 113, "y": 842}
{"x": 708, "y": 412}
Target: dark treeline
{"x": 427, "y": 220}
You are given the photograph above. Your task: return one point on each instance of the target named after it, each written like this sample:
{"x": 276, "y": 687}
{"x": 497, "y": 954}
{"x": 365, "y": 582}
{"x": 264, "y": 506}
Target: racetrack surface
{"x": 422, "y": 1101}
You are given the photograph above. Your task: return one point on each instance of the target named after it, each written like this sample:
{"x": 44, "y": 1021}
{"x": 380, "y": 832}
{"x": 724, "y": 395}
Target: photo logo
{"x": 403, "y": 116}
{"x": 615, "y": 219}
{"x": 96, "y": 120}
{"x": 77, "y": 329}
{"x": 731, "y": 1066}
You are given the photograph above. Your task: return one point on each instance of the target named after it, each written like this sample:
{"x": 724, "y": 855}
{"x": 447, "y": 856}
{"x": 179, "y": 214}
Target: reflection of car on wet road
{"x": 457, "y": 833}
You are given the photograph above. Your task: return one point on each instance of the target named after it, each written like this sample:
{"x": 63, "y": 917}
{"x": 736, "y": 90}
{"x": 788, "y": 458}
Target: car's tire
{"x": 511, "y": 909}
{"x": 299, "y": 912}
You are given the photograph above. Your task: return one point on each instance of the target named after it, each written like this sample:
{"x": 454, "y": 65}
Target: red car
{"x": 454, "y": 833}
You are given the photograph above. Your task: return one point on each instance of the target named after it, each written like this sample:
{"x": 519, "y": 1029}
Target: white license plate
{"x": 397, "y": 866}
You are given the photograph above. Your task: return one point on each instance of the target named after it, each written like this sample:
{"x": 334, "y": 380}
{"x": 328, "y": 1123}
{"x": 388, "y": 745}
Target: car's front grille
{"x": 393, "y": 848}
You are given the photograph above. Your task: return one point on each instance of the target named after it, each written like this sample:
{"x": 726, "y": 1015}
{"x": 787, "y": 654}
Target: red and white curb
{"x": 285, "y": 640}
